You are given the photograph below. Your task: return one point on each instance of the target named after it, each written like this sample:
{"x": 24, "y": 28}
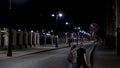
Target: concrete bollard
{"x": 14, "y": 38}
{"x": 0, "y": 39}
{"x": 25, "y": 39}
{"x": 37, "y": 39}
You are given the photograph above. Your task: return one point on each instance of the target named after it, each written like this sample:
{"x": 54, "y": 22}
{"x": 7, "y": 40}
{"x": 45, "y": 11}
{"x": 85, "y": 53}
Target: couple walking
{"x": 79, "y": 56}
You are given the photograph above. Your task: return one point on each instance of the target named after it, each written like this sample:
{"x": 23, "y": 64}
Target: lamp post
{"x": 57, "y": 16}
{"x": 69, "y": 40}
{"x": 69, "y": 25}
{"x": 9, "y": 52}
{"x": 77, "y": 28}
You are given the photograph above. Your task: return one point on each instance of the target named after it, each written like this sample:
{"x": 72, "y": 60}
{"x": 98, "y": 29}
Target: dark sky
{"x": 37, "y": 13}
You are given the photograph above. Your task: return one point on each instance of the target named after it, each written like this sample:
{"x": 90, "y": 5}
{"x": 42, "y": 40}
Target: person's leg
{"x": 70, "y": 65}
{"x": 84, "y": 65}
{"x": 75, "y": 65}
{"x": 78, "y": 65}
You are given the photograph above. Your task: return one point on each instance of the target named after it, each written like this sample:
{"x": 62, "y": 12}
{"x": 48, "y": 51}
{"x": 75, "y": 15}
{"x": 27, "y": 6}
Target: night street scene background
{"x": 39, "y": 33}
{"x": 26, "y": 12}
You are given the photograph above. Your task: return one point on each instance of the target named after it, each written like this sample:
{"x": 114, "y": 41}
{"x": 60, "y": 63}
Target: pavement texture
{"x": 103, "y": 57}
{"x": 106, "y": 58}
{"x": 33, "y": 50}
{"x": 37, "y": 49}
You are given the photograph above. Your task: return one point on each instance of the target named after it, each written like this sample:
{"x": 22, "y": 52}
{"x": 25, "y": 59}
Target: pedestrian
{"x": 81, "y": 57}
{"x": 73, "y": 52}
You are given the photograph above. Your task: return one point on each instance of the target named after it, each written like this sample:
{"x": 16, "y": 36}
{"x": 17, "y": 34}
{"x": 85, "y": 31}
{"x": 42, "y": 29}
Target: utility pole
{"x": 9, "y": 52}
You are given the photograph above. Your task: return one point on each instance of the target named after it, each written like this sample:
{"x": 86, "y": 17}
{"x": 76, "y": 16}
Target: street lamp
{"x": 57, "y": 16}
{"x": 9, "y": 51}
{"x": 66, "y": 23}
{"x": 53, "y": 15}
{"x": 60, "y": 14}
{"x": 78, "y": 29}
{"x": 69, "y": 40}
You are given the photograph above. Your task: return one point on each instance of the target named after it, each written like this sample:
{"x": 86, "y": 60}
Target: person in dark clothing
{"x": 81, "y": 57}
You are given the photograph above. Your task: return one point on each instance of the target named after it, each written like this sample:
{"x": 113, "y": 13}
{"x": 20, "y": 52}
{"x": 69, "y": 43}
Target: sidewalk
{"x": 87, "y": 43}
{"x": 22, "y": 52}
{"x": 106, "y": 58}
{"x": 41, "y": 48}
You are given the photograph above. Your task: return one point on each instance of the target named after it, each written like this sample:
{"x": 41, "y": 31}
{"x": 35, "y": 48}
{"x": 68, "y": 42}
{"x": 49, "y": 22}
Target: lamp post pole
{"x": 69, "y": 34}
{"x": 9, "y": 52}
{"x": 77, "y": 29}
{"x": 56, "y": 31}
{"x": 56, "y": 15}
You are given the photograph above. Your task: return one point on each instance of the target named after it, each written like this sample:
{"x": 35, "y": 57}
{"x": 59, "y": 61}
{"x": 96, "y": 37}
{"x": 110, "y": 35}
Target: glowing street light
{"x": 31, "y": 31}
{"x": 51, "y": 30}
{"x": 60, "y": 14}
{"x": 53, "y": 15}
{"x": 78, "y": 30}
{"x": 19, "y": 30}
{"x": 57, "y": 16}
{"x": 66, "y": 23}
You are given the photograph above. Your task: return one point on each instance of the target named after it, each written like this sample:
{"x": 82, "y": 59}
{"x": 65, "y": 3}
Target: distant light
{"x": 60, "y": 14}
{"x": 51, "y": 30}
{"x": 43, "y": 33}
{"x": 75, "y": 28}
{"x": 66, "y": 23}
{"x": 88, "y": 34}
{"x": 19, "y": 30}
{"x": 78, "y": 28}
{"x": 43, "y": 30}
{"x": 84, "y": 32}
{"x": 37, "y": 31}
{"x": 31, "y": 30}
{"x": 48, "y": 34}
{"x": 80, "y": 31}
{"x": 4, "y": 28}
{"x": 66, "y": 33}
{"x": 53, "y": 15}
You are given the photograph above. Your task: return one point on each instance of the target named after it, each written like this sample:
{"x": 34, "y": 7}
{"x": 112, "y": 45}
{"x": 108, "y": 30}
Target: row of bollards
{"x": 13, "y": 42}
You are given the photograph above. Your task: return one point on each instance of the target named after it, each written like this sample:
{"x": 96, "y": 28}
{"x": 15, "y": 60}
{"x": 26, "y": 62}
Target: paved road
{"x": 50, "y": 59}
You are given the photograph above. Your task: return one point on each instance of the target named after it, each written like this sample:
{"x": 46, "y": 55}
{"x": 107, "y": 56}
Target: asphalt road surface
{"x": 50, "y": 59}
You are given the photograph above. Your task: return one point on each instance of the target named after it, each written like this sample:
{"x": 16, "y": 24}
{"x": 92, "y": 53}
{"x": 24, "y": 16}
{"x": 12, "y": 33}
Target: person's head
{"x": 81, "y": 45}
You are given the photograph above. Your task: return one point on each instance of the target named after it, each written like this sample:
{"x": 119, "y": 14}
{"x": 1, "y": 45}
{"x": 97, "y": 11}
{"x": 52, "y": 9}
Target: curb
{"x": 40, "y": 51}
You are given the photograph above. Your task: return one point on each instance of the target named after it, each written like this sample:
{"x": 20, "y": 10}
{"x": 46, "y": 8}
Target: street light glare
{"x": 32, "y": 31}
{"x": 66, "y": 23}
{"x": 53, "y": 15}
{"x": 78, "y": 27}
{"x": 60, "y": 14}
{"x": 19, "y": 30}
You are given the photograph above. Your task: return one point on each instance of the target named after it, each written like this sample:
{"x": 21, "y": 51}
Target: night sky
{"x": 36, "y": 14}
